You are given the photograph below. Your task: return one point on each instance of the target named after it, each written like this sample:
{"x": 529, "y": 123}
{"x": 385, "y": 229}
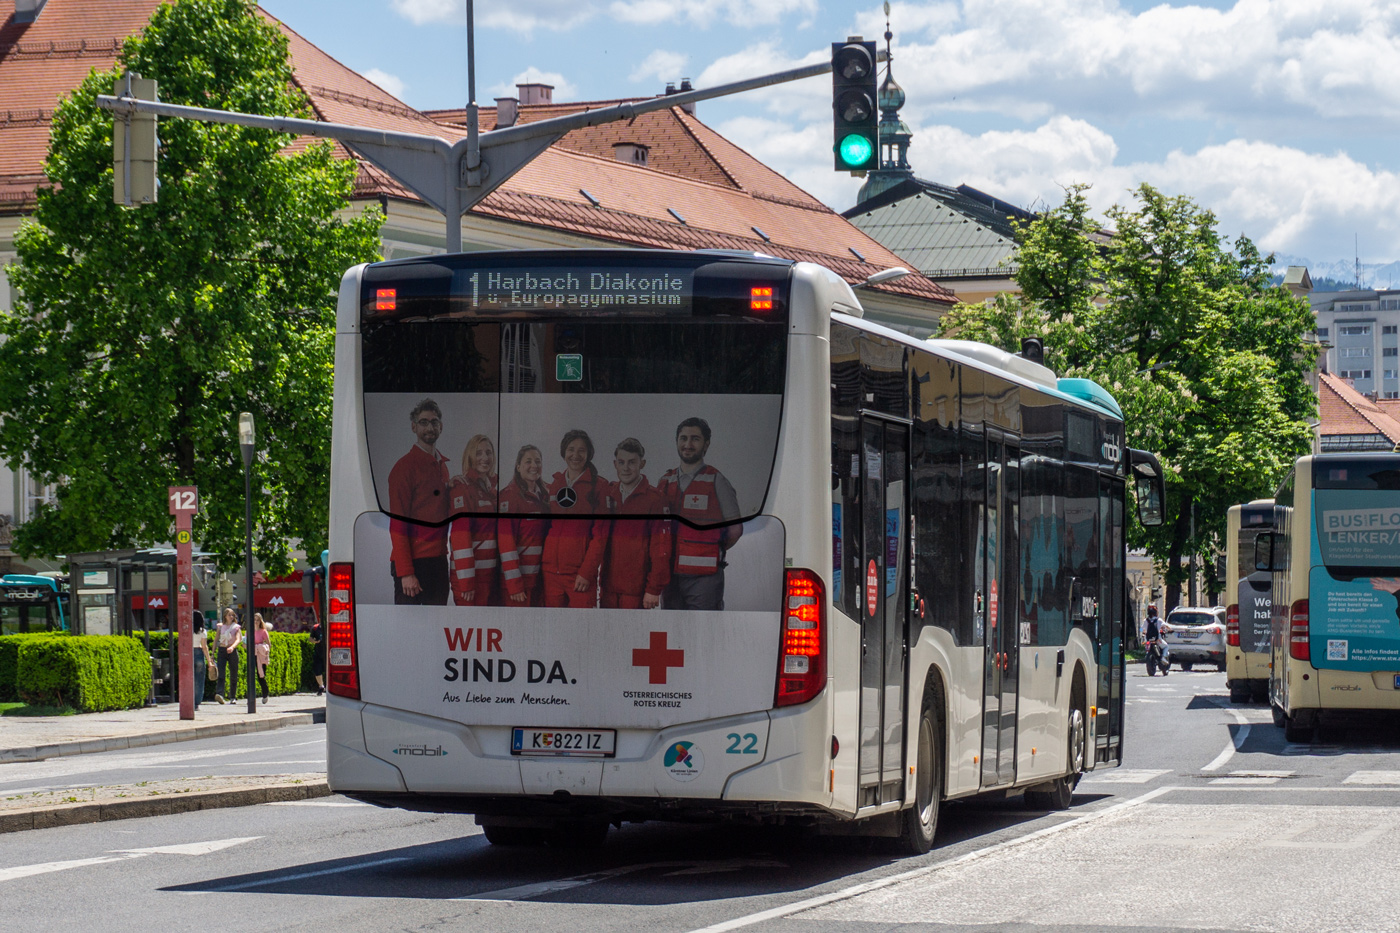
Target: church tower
{"x": 894, "y": 132}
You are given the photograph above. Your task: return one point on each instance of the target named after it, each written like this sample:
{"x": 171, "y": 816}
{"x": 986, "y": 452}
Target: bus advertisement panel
{"x": 1355, "y": 578}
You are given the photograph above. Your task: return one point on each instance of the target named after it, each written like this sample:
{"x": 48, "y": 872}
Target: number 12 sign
{"x": 184, "y": 500}
{"x": 184, "y": 503}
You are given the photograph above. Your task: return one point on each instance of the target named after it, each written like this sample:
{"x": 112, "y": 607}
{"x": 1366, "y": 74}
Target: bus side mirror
{"x": 1147, "y": 484}
{"x": 1268, "y": 552}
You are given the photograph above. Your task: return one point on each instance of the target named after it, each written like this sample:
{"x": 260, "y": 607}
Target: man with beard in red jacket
{"x": 418, "y": 491}
{"x": 638, "y": 564}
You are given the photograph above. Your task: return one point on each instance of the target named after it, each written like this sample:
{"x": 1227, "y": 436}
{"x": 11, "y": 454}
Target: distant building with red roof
{"x": 1352, "y": 421}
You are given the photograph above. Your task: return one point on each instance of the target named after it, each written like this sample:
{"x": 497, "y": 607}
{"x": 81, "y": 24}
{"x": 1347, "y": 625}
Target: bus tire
{"x": 513, "y": 835}
{"x": 1239, "y": 691}
{"x": 1187, "y": 665}
{"x": 1061, "y": 794}
{"x": 921, "y": 820}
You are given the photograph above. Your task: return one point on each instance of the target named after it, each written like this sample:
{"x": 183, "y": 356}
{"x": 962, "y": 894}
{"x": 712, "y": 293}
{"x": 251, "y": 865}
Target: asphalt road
{"x": 1213, "y": 823}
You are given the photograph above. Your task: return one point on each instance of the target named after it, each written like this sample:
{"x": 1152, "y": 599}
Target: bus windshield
{"x": 527, "y": 376}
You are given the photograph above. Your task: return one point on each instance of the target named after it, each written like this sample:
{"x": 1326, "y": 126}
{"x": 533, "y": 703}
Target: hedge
{"x": 91, "y": 673}
{"x": 284, "y": 666}
{"x": 9, "y": 661}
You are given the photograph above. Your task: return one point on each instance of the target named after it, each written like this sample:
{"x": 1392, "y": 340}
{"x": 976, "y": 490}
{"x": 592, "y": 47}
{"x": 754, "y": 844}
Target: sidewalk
{"x": 34, "y": 738}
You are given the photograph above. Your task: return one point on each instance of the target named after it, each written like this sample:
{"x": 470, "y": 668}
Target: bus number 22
{"x": 735, "y": 740}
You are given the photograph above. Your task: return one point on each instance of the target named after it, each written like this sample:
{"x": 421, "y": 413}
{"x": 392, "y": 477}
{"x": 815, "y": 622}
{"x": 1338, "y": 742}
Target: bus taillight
{"x": 1298, "y": 647}
{"x": 344, "y": 667}
{"x": 1232, "y": 626}
{"x": 801, "y": 664}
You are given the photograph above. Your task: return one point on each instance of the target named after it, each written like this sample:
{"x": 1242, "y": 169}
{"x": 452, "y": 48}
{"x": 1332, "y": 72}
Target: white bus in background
{"x": 1249, "y": 613}
{"x": 912, "y": 552}
{"x": 1335, "y": 560}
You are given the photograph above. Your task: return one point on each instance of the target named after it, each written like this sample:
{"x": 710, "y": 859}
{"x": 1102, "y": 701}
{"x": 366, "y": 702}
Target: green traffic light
{"x": 855, "y": 150}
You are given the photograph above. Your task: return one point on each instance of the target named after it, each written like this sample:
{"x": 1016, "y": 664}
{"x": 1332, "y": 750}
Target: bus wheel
{"x": 1187, "y": 665}
{"x": 921, "y": 820}
{"x": 1061, "y": 794}
{"x": 513, "y": 835}
{"x": 1239, "y": 691}
{"x": 578, "y": 834}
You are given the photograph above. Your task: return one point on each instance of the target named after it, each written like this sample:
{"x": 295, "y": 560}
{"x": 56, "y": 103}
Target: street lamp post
{"x": 245, "y": 442}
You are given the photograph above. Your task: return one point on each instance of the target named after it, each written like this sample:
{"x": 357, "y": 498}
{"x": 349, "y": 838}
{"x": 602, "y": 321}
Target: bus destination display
{"x": 576, "y": 289}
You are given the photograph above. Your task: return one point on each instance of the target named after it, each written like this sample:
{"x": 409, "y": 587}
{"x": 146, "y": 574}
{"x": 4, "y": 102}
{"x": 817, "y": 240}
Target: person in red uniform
{"x": 697, "y": 491}
{"x": 638, "y": 564}
{"x": 418, "y": 492}
{"x": 475, "y": 578}
{"x": 573, "y": 548}
{"x": 521, "y": 536}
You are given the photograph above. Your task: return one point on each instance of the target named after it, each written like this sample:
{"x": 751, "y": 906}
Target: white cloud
{"x": 661, "y": 65}
{"x": 705, "y": 12}
{"x": 391, "y": 83}
{"x": 563, "y": 88}
{"x": 521, "y": 17}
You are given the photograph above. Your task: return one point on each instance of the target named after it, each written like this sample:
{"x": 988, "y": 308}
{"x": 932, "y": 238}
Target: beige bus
{"x": 1335, "y": 559}
{"x": 1249, "y": 604}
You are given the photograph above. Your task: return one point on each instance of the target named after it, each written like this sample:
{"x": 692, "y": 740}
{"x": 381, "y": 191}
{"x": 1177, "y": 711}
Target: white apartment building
{"x": 1361, "y": 330}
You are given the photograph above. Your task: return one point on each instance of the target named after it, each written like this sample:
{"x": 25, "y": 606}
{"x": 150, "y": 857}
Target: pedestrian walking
{"x": 318, "y": 657}
{"x": 204, "y": 666}
{"x": 230, "y": 633}
{"x": 262, "y": 651}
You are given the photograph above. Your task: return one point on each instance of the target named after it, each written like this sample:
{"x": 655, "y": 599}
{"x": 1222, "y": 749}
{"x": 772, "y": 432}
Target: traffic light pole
{"x": 454, "y": 176}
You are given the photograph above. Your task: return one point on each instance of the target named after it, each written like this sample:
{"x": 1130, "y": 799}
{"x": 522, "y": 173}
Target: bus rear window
{"x": 514, "y": 384}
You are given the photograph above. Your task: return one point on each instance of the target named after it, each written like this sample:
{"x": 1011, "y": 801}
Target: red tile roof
{"x": 1343, "y": 410}
{"x": 720, "y": 190}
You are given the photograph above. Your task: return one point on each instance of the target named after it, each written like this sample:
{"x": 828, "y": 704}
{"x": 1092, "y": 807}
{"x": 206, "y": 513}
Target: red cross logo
{"x": 657, "y": 658}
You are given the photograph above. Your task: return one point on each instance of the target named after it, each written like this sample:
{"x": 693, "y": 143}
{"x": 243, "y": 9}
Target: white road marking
{"x": 115, "y": 761}
{"x": 1236, "y": 741}
{"x": 121, "y": 855}
{"x": 786, "y": 910}
{"x": 192, "y": 848}
{"x": 1373, "y": 777}
{"x": 244, "y": 885}
{"x": 43, "y": 868}
{"x": 1122, "y": 776}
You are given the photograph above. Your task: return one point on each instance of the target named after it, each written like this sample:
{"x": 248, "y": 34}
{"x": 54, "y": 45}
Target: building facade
{"x": 1361, "y": 331}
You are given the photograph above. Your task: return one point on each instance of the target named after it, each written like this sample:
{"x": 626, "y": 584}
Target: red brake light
{"x": 1232, "y": 626}
{"x": 386, "y": 299}
{"x": 761, "y": 298}
{"x": 802, "y": 654}
{"x": 343, "y": 661}
{"x": 1298, "y": 636}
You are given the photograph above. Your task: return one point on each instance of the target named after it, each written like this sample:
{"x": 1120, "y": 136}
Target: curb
{"x": 74, "y": 814}
{"x": 86, "y": 746}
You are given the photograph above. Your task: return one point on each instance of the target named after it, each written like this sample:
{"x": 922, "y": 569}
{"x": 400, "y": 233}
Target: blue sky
{"x": 1279, "y": 115}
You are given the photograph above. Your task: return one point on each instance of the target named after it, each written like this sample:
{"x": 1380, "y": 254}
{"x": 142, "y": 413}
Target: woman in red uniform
{"x": 573, "y": 548}
{"x": 475, "y": 576}
{"x": 522, "y": 537}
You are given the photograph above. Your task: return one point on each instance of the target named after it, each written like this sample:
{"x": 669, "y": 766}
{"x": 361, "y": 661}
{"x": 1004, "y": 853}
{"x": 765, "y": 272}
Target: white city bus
{"x": 1249, "y": 615}
{"x": 1335, "y": 559}
{"x": 897, "y": 578}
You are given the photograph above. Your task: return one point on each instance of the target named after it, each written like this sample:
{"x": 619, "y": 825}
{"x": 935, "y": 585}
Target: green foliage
{"x": 91, "y": 673}
{"x": 9, "y": 661}
{"x": 140, "y": 334}
{"x": 1204, "y": 354}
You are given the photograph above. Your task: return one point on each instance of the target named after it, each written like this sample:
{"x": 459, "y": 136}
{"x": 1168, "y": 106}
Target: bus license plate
{"x": 564, "y": 743}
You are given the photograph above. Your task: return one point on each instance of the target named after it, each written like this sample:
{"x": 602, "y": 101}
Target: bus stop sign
{"x": 184, "y": 502}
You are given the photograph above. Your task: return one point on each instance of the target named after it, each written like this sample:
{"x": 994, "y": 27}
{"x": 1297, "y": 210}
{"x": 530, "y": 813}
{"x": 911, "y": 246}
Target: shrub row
{"x": 288, "y": 666}
{"x": 9, "y": 661}
{"x": 90, "y": 673}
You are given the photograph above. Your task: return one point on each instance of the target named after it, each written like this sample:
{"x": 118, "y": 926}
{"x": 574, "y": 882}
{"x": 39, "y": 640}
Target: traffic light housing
{"x": 135, "y": 146}
{"x": 855, "y": 117}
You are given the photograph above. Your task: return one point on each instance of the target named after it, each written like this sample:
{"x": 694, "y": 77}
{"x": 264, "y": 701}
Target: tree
{"x": 140, "y": 334}
{"x": 1205, "y": 356}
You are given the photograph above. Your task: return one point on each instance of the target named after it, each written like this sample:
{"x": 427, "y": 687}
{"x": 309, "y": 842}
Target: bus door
{"x": 1112, "y": 626}
{"x": 999, "y": 606}
{"x": 884, "y": 604}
